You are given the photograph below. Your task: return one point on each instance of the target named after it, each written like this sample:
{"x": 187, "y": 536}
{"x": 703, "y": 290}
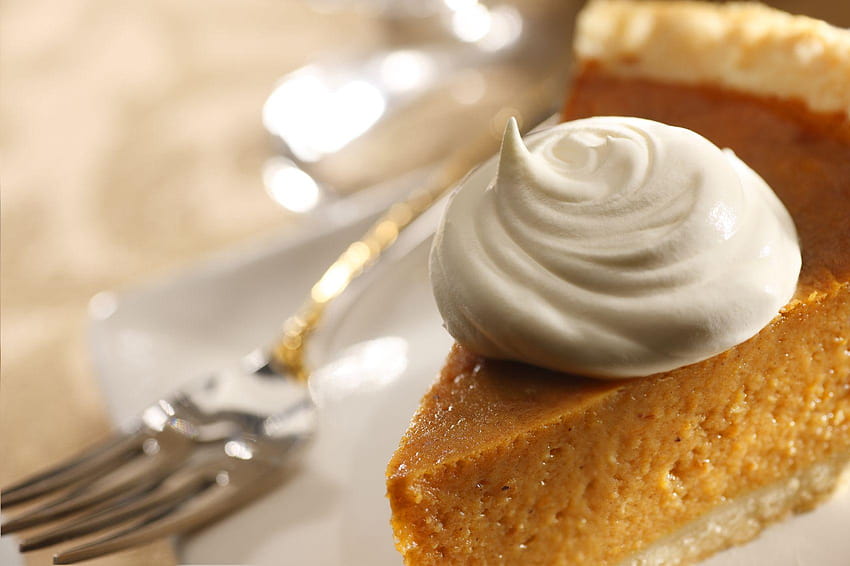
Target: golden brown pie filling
{"x": 509, "y": 463}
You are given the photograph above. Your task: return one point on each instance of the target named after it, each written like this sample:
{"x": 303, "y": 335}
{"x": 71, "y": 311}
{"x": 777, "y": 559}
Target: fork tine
{"x": 218, "y": 496}
{"x": 90, "y": 495}
{"x": 94, "y": 462}
{"x": 144, "y": 503}
{"x": 145, "y": 470}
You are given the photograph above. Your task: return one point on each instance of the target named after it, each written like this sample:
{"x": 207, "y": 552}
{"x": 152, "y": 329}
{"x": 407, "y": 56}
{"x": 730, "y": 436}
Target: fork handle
{"x": 288, "y": 354}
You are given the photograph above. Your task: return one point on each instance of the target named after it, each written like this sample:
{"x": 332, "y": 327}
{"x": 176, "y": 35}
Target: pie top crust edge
{"x": 743, "y": 46}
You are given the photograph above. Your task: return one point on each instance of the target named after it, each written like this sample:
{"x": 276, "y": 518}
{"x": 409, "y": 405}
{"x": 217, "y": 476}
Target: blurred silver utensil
{"x": 186, "y": 460}
{"x": 387, "y": 118}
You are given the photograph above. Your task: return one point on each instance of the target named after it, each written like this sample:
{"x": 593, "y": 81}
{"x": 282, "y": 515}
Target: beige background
{"x": 131, "y": 144}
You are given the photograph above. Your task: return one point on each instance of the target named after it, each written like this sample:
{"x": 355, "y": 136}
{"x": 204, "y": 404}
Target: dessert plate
{"x": 382, "y": 346}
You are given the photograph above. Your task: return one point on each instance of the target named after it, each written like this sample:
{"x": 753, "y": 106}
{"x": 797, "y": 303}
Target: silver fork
{"x": 185, "y": 461}
{"x": 224, "y": 440}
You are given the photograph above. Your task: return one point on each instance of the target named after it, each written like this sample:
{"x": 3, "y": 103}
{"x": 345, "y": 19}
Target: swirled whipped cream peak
{"x": 612, "y": 247}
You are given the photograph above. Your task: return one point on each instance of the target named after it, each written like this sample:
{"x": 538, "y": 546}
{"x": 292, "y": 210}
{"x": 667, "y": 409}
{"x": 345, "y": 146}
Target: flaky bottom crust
{"x": 741, "y": 520}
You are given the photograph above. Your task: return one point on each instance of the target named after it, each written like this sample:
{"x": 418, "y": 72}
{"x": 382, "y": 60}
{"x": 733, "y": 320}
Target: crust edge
{"x": 744, "y": 518}
{"x": 740, "y": 45}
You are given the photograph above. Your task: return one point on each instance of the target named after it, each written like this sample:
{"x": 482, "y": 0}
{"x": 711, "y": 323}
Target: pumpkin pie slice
{"x": 507, "y": 463}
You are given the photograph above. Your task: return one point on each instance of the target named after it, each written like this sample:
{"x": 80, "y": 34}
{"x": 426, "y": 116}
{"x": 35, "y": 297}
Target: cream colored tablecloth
{"x": 131, "y": 144}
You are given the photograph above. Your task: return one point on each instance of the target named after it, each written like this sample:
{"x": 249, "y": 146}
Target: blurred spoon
{"x": 382, "y": 120}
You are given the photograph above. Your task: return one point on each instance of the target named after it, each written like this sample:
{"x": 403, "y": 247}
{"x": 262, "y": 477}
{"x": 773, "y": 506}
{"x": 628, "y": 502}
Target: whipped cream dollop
{"x": 612, "y": 247}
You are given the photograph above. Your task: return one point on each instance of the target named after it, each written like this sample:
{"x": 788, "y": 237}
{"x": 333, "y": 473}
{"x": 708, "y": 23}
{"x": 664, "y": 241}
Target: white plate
{"x": 333, "y": 511}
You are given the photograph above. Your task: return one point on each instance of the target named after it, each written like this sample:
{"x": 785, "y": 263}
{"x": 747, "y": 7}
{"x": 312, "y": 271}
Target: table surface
{"x": 132, "y": 145}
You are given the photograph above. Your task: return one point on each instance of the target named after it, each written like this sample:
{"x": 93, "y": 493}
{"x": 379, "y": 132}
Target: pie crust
{"x": 743, "y": 46}
{"x": 512, "y": 464}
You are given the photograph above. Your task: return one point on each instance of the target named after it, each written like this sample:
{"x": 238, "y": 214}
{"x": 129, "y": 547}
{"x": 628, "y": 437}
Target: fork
{"x": 218, "y": 443}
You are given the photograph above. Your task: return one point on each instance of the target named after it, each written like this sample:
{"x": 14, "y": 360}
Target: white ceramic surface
{"x": 9, "y": 555}
{"x": 384, "y": 347}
